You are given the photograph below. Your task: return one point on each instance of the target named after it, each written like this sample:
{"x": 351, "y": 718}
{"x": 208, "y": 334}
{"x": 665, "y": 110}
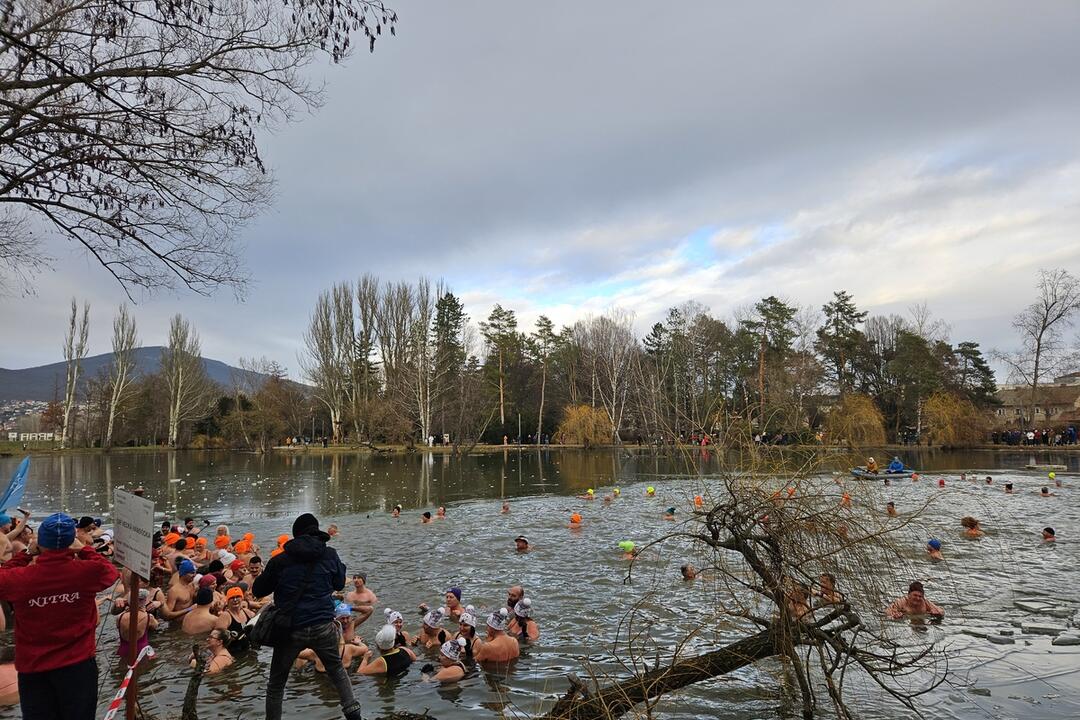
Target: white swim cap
{"x": 385, "y": 638}
{"x": 452, "y": 648}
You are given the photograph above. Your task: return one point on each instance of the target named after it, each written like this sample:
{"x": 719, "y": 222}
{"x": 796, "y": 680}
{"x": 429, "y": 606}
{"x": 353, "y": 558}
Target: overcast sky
{"x": 564, "y": 157}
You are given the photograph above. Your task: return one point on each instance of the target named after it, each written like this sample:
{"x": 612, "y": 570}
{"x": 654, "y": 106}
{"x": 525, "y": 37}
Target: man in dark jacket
{"x": 303, "y": 580}
{"x": 53, "y": 587}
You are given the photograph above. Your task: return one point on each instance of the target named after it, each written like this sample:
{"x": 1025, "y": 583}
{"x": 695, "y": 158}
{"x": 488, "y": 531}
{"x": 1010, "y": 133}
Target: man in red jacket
{"x": 53, "y": 587}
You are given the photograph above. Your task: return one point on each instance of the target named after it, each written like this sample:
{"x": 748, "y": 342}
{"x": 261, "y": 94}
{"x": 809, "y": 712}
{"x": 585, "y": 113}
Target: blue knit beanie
{"x": 56, "y": 532}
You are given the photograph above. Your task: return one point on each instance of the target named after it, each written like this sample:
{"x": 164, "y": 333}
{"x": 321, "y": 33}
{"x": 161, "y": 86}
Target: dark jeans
{"x": 69, "y": 692}
{"x": 323, "y": 639}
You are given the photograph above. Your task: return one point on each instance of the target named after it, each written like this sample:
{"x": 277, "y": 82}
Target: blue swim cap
{"x": 342, "y": 609}
{"x": 934, "y": 543}
{"x": 56, "y": 532}
{"x": 186, "y": 567}
{"x": 5, "y": 519}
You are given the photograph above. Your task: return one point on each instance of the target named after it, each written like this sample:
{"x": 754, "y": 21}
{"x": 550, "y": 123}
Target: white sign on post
{"x": 133, "y": 518}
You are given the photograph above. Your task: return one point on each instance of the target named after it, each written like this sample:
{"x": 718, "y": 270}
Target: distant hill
{"x": 47, "y": 381}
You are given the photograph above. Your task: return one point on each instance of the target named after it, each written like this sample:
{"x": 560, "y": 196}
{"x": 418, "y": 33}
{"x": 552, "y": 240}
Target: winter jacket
{"x": 55, "y": 609}
{"x": 284, "y": 575}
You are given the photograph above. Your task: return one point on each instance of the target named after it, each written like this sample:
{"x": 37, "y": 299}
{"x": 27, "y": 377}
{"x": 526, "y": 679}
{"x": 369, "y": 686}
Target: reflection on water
{"x": 576, "y": 580}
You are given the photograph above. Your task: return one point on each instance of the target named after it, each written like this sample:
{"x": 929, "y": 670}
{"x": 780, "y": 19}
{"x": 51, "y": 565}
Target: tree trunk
{"x": 615, "y": 700}
{"x": 502, "y": 402}
{"x": 543, "y": 387}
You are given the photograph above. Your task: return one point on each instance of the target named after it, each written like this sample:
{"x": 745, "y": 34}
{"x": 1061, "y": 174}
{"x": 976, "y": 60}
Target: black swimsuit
{"x": 240, "y": 640}
{"x": 397, "y": 662}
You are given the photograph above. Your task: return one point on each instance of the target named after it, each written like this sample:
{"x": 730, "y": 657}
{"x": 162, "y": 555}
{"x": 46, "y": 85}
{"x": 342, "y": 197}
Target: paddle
{"x": 13, "y": 495}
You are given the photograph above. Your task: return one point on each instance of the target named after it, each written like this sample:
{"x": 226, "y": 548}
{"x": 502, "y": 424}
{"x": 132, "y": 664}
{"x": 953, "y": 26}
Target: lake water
{"x": 576, "y": 579}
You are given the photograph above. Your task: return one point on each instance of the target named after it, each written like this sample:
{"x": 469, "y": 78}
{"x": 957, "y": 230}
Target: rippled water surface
{"x": 576, "y": 579}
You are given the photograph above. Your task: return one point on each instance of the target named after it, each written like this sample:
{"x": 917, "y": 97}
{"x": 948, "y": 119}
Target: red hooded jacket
{"x": 55, "y": 609}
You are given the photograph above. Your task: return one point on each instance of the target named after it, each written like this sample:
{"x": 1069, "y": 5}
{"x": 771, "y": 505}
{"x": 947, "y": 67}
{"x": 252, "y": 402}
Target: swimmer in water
{"x": 451, "y": 669}
{"x": 650, "y": 491}
{"x": 891, "y": 509}
{"x": 497, "y": 647}
{"x": 1045, "y": 492}
{"x": 396, "y": 512}
{"x": 589, "y": 495}
{"x": 467, "y": 630}
{"x": 845, "y": 500}
{"x": 971, "y": 527}
{"x": 220, "y": 658}
{"x": 914, "y": 603}
{"x": 798, "y": 600}
{"x": 963, "y": 477}
{"x": 828, "y": 593}
{"x": 627, "y": 547}
{"x": 453, "y": 604}
{"x": 888, "y": 482}
{"x": 689, "y": 572}
{"x": 699, "y": 501}
{"x": 1048, "y": 534}
{"x": 431, "y": 635}
{"x": 394, "y": 618}
{"x": 1008, "y": 488}
{"x": 616, "y": 492}
{"x": 989, "y": 480}
{"x": 393, "y": 659}
{"x": 361, "y": 598}
{"x": 522, "y": 625}
{"x": 521, "y": 544}
{"x": 441, "y": 512}
{"x": 933, "y": 549}
{"x": 669, "y": 514}
{"x": 575, "y": 522}
{"x": 505, "y": 507}
{"x": 426, "y": 518}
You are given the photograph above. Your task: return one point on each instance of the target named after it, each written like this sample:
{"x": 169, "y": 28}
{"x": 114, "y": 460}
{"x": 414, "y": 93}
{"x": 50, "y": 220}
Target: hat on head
{"x": 670, "y": 510}
{"x": 626, "y": 545}
{"x": 282, "y": 539}
{"x": 200, "y": 542}
{"x": 452, "y": 648}
{"x": 186, "y": 567}
{"x": 434, "y": 617}
{"x": 522, "y": 538}
{"x": 249, "y": 536}
{"x": 205, "y": 596}
{"x": 171, "y": 538}
{"x": 56, "y": 532}
{"x": 85, "y": 522}
{"x": 497, "y": 620}
{"x": 468, "y": 617}
{"x": 226, "y": 558}
{"x": 99, "y": 522}
{"x": 189, "y": 543}
{"x": 392, "y": 616}
{"x": 222, "y": 541}
{"x": 236, "y": 565}
{"x": 523, "y": 608}
{"x": 575, "y": 518}
{"x": 305, "y": 524}
{"x": 934, "y": 543}
{"x": 234, "y": 592}
{"x": 242, "y": 546}
{"x": 456, "y": 592}
{"x": 361, "y": 575}
{"x": 386, "y": 637}
{"x": 207, "y": 580}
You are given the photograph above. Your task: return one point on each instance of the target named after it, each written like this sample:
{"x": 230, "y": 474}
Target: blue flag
{"x": 14, "y": 493}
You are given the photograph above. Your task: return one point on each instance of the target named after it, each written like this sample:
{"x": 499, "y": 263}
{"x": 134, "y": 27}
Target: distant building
{"x": 1056, "y": 403}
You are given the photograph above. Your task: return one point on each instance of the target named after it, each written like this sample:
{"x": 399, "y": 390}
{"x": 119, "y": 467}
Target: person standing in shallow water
{"x": 303, "y": 579}
{"x": 53, "y": 588}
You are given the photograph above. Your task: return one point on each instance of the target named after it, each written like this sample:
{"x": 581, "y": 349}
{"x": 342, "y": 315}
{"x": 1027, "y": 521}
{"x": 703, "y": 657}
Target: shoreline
{"x": 9, "y": 449}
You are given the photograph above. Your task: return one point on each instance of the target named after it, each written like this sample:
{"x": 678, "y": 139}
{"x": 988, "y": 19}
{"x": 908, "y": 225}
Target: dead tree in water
{"x": 767, "y": 552}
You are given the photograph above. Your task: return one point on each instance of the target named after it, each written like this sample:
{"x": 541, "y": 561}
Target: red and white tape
{"x": 119, "y": 699}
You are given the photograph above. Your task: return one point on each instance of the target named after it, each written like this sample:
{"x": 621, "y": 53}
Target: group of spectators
{"x": 1036, "y": 436}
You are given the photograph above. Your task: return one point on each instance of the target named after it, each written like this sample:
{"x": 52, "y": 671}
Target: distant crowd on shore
{"x": 1036, "y": 436}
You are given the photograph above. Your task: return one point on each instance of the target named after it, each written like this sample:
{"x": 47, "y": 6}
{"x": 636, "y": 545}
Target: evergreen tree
{"x": 500, "y": 332}
{"x": 838, "y": 340}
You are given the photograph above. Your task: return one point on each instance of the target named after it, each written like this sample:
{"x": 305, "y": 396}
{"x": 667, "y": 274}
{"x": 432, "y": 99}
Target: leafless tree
{"x": 610, "y": 345}
{"x": 328, "y": 345}
{"x": 74, "y": 352}
{"x": 1041, "y": 327}
{"x": 131, "y": 126}
{"x": 367, "y": 302}
{"x": 395, "y": 317}
{"x": 124, "y": 343}
{"x": 423, "y": 377}
{"x": 190, "y": 388}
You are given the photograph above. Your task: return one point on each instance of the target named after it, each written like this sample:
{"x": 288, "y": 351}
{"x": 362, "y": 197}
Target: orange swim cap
{"x": 222, "y": 541}
{"x": 242, "y": 547}
{"x": 282, "y": 539}
{"x": 171, "y": 539}
{"x": 189, "y": 543}
{"x": 200, "y": 542}
{"x": 234, "y": 592}
{"x": 699, "y": 501}
{"x": 575, "y": 518}
{"x": 791, "y": 492}
{"x": 249, "y": 536}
